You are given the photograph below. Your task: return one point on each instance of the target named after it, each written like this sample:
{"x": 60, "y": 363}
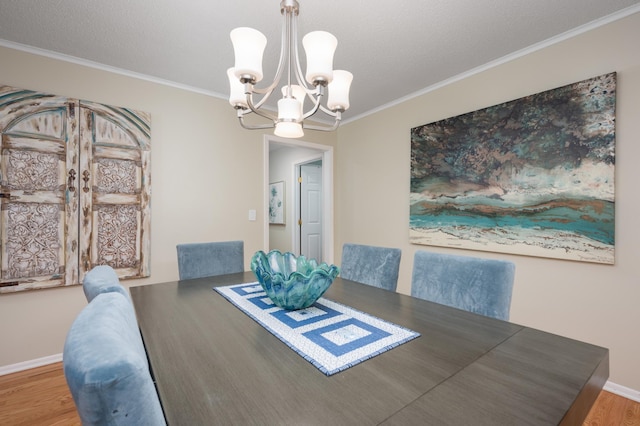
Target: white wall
{"x": 206, "y": 174}
{"x": 590, "y": 302}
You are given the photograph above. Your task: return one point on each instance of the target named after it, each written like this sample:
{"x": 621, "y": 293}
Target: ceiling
{"x": 395, "y": 49}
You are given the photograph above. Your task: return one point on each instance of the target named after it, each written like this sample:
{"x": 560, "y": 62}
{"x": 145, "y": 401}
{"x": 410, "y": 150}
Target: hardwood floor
{"x": 40, "y": 397}
{"x": 613, "y": 410}
{"x": 35, "y": 397}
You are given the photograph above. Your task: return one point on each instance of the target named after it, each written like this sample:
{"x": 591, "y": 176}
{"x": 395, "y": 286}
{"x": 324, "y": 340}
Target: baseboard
{"x": 626, "y": 392}
{"x": 21, "y": 366}
{"x": 609, "y": 386}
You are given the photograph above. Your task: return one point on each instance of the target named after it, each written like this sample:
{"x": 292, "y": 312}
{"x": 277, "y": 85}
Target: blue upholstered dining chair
{"x": 197, "y": 260}
{"x": 106, "y": 366}
{"x": 102, "y": 279}
{"x": 482, "y": 286}
{"x": 375, "y": 266}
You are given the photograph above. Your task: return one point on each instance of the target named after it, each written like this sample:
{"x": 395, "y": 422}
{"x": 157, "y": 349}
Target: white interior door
{"x": 311, "y": 211}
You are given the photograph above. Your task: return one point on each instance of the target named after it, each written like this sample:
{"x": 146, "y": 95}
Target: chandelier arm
{"x": 266, "y": 91}
{"x": 253, "y": 126}
{"x": 317, "y": 102}
{"x": 299, "y": 75}
{"x": 289, "y": 44}
{"x": 255, "y": 109}
{"x": 335, "y": 125}
{"x": 316, "y": 105}
{"x": 329, "y": 112}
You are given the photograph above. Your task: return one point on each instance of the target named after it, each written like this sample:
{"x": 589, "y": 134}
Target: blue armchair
{"x": 482, "y": 286}
{"x": 197, "y": 260}
{"x": 102, "y": 279}
{"x": 375, "y": 266}
{"x": 106, "y": 366}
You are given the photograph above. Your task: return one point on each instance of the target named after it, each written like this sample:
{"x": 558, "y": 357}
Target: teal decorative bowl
{"x": 292, "y": 282}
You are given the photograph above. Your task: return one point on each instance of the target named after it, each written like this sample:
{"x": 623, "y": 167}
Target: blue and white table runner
{"x": 331, "y": 336}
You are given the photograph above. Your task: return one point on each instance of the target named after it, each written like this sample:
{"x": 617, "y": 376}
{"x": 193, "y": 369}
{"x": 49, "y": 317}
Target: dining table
{"x": 213, "y": 364}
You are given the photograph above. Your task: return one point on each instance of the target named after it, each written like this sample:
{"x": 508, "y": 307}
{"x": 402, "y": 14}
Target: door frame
{"x": 327, "y": 190}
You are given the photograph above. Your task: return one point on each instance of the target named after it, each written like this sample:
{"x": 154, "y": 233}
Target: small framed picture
{"x": 276, "y": 203}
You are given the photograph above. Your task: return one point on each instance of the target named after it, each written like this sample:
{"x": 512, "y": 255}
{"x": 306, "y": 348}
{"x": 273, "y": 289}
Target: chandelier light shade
{"x": 297, "y": 92}
{"x": 339, "y": 90}
{"x": 320, "y": 47}
{"x": 320, "y": 78}
{"x": 237, "y": 97}
{"x": 248, "y": 48}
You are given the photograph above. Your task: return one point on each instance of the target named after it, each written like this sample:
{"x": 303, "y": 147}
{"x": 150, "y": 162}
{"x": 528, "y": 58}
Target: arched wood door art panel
{"x": 115, "y": 153}
{"x": 75, "y": 190}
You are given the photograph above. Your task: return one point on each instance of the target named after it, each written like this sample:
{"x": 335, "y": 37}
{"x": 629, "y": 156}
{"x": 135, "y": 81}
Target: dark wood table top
{"x": 213, "y": 364}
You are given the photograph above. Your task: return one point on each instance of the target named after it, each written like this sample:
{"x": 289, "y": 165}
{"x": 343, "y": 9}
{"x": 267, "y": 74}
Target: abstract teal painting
{"x": 533, "y": 176}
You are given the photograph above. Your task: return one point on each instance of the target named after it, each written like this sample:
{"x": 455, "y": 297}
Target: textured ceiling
{"x": 393, "y": 48}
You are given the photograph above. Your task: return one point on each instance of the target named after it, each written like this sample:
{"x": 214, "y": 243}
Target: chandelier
{"x": 320, "y": 78}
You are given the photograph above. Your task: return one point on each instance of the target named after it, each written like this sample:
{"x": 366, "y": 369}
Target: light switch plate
{"x": 252, "y": 215}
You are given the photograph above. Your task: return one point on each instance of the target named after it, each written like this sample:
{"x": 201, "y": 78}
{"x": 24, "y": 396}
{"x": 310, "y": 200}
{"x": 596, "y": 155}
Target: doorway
{"x": 285, "y": 157}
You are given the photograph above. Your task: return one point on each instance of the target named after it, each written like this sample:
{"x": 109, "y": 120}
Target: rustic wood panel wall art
{"x": 534, "y": 176}
{"x": 75, "y": 189}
